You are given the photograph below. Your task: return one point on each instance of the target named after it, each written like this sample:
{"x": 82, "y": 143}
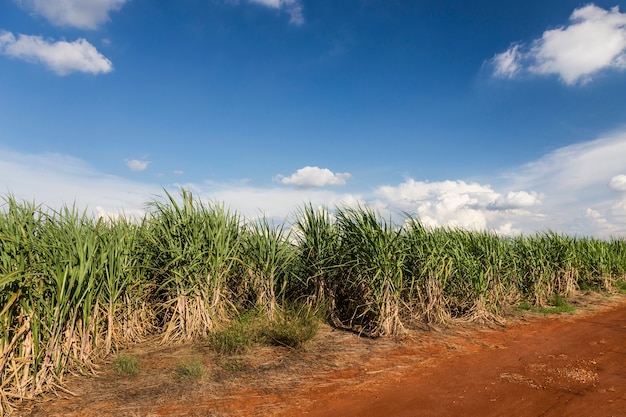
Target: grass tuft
{"x": 126, "y": 365}
{"x": 191, "y": 369}
{"x": 558, "y": 305}
{"x": 293, "y": 330}
{"x": 234, "y": 365}
{"x": 235, "y": 339}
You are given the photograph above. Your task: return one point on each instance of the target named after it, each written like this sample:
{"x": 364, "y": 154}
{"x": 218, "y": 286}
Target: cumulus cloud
{"x": 81, "y": 14}
{"x": 62, "y": 57}
{"x": 516, "y": 200}
{"x": 137, "y": 164}
{"x": 618, "y": 183}
{"x": 468, "y": 205}
{"x": 507, "y": 229}
{"x": 292, "y": 7}
{"x": 314, "y": 177}
{"x": 594, "y": 40}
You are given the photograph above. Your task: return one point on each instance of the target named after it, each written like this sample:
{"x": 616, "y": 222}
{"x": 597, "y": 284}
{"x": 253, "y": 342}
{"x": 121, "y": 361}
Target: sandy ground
{"x": 556, "y": 365}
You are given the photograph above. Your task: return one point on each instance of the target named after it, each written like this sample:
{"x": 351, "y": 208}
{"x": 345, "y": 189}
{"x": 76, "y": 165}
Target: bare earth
{"x": 557, "y": 365}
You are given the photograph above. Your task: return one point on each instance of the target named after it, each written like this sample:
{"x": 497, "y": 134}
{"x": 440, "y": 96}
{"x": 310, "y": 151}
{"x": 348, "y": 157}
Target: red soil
{"x": 564, "y": 367}
{"x": 557, "y": 365}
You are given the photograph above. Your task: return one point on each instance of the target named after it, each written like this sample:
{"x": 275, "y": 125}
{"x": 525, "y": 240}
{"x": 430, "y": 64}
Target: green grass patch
{"x": 556, "y": 310}
{"x": 234, "y": 339}
{"x": 557, "y": 305}
{"x": 293, "y": 329}
{"x": 621, "y": 286}
{"x": 234, "y": 365}
{"x": 586, "y": 286}
{"x": 191, "y": 369}
{"x": 126, "y": 365}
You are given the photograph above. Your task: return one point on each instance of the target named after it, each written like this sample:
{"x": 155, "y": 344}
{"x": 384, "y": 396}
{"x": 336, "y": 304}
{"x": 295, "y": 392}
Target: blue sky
{"x": 508, "y": 116}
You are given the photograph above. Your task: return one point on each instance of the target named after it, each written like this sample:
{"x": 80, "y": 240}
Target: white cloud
{"x": 595, "y": 40}
{"x": 507, "y": 229}
{"x": 292, "y": 7}
{"x": 566, "y": 191}
{"x": 516, "y": 200}
{"x": 618, "y": 183}
{"x": 586, "y": 166}
{"x": 458, "y": 204}
{"x": 82, "y": 14}
{"x": 278, "y": 203}
{"x": 137, "y": 164}
{"x": 573, "y": 179}
{"x": 55, "y": 180}
{"x": 507, "y": 63}
{"x": 62, "y": 57}
{"x": 595, "y": 214}
{"x": 314, "y": 177}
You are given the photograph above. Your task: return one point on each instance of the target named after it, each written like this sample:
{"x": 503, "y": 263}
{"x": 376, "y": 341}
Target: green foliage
{"x": 372, "y": 266}
{"x": 557, "y": 305}
{"x": 556, "y": 310}
{"x": 192, "y": 368}
{"x": 234, "y": 365}
{"x": 234, "y": 339}
{"x": 294, "y": 328}
{"x": 126, "y": 365}
{"x": 268, "y": 257}
{"x": 193, "y": 250}
{"x": 318, "y": 256}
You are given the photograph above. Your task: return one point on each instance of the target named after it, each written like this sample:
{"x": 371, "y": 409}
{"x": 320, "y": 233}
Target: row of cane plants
{"x": 74, "y": 289}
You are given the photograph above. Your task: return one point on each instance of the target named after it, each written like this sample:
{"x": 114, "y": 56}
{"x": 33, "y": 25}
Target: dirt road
{"x": 552, "y": 367}
{"x": 565, "y": 365}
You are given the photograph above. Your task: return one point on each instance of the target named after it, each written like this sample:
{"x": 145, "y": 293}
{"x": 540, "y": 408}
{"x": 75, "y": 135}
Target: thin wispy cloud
{"x": 292, "y": 7}
{"x": 61, "y": 57}
{"x": 579, "y": 177}
{"x": 81, "y": 14}
{"x": 54, "y": 180}
{"x": 507, "y": 64}
{"x": 595, "y": 40}
{"x": 313, "y": 177}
